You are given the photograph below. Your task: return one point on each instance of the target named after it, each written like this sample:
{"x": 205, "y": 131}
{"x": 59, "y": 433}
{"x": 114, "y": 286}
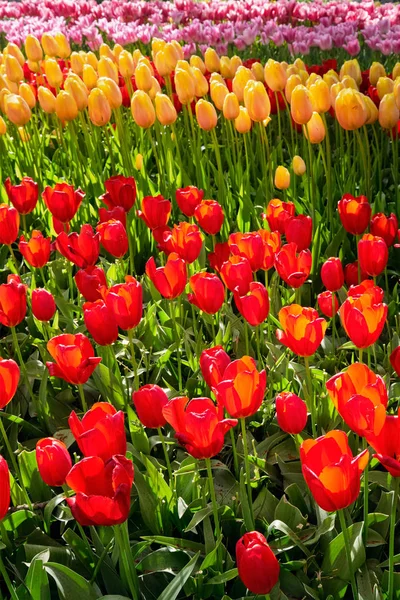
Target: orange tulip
{"x": 302, "y": 329}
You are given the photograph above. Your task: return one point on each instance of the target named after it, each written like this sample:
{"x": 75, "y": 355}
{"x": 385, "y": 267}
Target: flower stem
{"x": 247, "y": 466}
{"x": 391, "y": 538}
{"x": 83, "y": 399}
{"x": 22, "y": 364}
{"x": 167, "y": 461}
{"x": 14, "y": 462}
{"x": 310, "y": 397}
{"x": 3, "y": 571}
{"x": 215, "y": 508}
{"x": 366, "y": 491}
{"x": 348, "y": 552}
{"x": 133, "y": 358}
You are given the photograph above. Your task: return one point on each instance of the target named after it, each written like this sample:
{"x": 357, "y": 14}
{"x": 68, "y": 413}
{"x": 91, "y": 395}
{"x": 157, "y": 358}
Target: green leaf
{"x": 212, "y": 557}
{"x": 80, "y": 548}
{"x": 289, "y": 514}
{"x": 163, "y": 559}
{"x": 223, "y": 577}
{"x": 175, "y": 543}
{"x": 244, "y": 501}
{"x": 70, "y": 584}
{"x": 335, "y": 559}
{"x": 172, "y": 590}
{"x": 37, "y": 582}
{"x": 265, "y": 505}
{"x": 198, "y": 517}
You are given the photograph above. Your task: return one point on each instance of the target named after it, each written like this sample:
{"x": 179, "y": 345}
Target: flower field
{"x": 199, "y": 305}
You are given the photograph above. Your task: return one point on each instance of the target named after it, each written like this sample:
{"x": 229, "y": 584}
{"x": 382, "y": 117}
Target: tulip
{"x": 332, "y": 274}
{"x": 352, "y": 69}
{"x": 17, "y": 110}
{"x": 291, "y": 412}
{"x": 63, "y": 201}
{"x": 231, "y": 107}
{"x": 89, "y": 281}
{"x": 5, "y": 496}
{"x": 81, "y": 249}
{"x": 384, "y": 227}
{"x": 74, "y": 358}
{"x": 3, "y": 126}
{"x": 328, "y": 303}
{"x": 142, "y": 109}
{"x": 301, "y": 105}
{"x": 386, "y": 444}
{"x": 239, "y": 82}
{"x": 156, "y": 211}
{"x": 113, "y": 237}
{"x": 302, "y": 329}
{"x": 298, "y": 230}
{"x": 199, "y": 425}
{"x": 90, "y": 77}
{"x": 248, "y": 245}
{"x": 372, "y": 111}
{"x": 53, "y": 460}
{"x": 363, "y": 319}
{"x": 292, "y": 82}
{"x": 257, "y": 565}
{"x": 350, "y": 109}
{"x": 256, "y": 100}
{"x": 185, "y": 86}
{"x": 100, "y": 322}
{"x": 278, "y": 212}
{"x": 120, "y": 191}
{"x": 37, "y": 251}
{"x": 330, "y": 470}
{"x": 210, "y": 216}
{"x": 23, "y": 196}
{"x": 139, "y": 162}
{"x": 236, "y": 273}
{"x": 218, "y": 93}
{"x": 206, "y": 115}
{"x": 185, "y": 239}
{"x": 25, "y": 91}
{"x": 66, "y": 107}
{"x": 271, "y": 244}
{"x": 211, "y": 60}
{"x": 78, "y": 91}
{"x": 275, "y": 75}
{"x": 13, "y": 69}
{"x": 149, "y": 401}
{"x": 395, "y": 360}
{"x": 170, "y": 280}
{"x": 253, "y": 306}
{"x": 242, "y": 388}
{"x": 188, "y": 199}
{"x": 320, "y": 96}
{"x": 125, "y": 300}
{"x": 165, "y": 110}
{"x": 64, "y": 49}
{"x": 103, "y": 490}
{"x": 355, "y": 213}
{"x": 220, "y": 255}
{"x": 367, "y": 287}
{"x": 376, "y": 71}
{"x": 99, "y": 108}
{"x": 43, "y": 305}
{"x": 384, "y": 87}
{"x": 351, "y": 274}
{"x": 243, "y": 121}
{"x": 9, "y": 379}
{"x": 315, "y": 129}
{"x": 292, "y": 266}
{"x": 213, "y": 363}
{"x": 282, "y": 178}
{"x": 12, "y": 301}
{"x": 9, "y": 224}
{"x": 47, "y": 100}
{"x": 200, "y": 83}
{"x": 143, "y": 77}
{"x": 372, "y": 254}
{"x": 388, "y": 112}
{"x": 107, "y": 68}
{"x": 208, "y": 292}
{"x": 33, "y": 49}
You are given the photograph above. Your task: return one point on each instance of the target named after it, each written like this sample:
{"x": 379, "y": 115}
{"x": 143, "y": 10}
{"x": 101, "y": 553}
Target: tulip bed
{"x": 200, "y": 326}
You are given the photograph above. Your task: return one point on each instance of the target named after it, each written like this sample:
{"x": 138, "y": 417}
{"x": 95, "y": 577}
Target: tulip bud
{"x": 225, "y": 67}
{"x": 299, "y": 166}
{"x": 78, "y": 92}
{"x": 282, "y": 178}
{"x": 143, "y": 77}
{"x": 49, "y": 45}
{"x": 53, "y": 72}
{"x": 299, "y": 63}
{"x": 171, "y": 56}
{"x": 125, "y": 64}
{"x": 301, "y": 106}
{"x": 142, "y": 109}
{"x": 111, "y": 91}
{"x": 236, "y": 62}
{"x": 117, "y": 50}
{"x": 33, "y": 48}
{"x": 3, "y": 94}
{"x": 185, "y": 86}
{"x": 155, "y": 88}
{"x": 396, "y": 71}
{"x": 372, "y": 111}
{"x": 330, "y": 78}
{"x": 17, "y": 109}
{"x": 243, "y": 75}
{"x": 106, "y": 52}
{"x": 388, "y": 112}
{"x": 178, "y": 48}
{"x": 66, "y": 107}
{"x": 197, "y": 61}
{"x": 275, "y": 75}
{"x": 3, "y": 126}
{"x": 351, "y": 68}
{"x": 64, "y": 49}
{"x": 157, "y": 44}
{"x": 350, "y": 109}
{"x": 77, "y": 63}
{"x": 384, "y": 86}
{"x": 136, "y": 55}
{"x": 107, "y": 68}
{"x": 320, "y": 96}
{"x": 13, "y": 69}
{"x": 312, "y": 78}
{"x": 43, "y": 305}
{"x": 25, "y": 91}
{"x": 47, "y": 100}
{"x": 99, "y": 108}
{"x": 89, "y": 76}
{"x": 256, "y": 101}
{"x": 292, "y": 82}
{"x": 231, "y": 107}
{"x": 349, "y": 82}
{"x": 292, "y": 70}
{"x": 334, "y": 92}
{"x": 200, "y": 82}
{"x": 165, "y": 110}
{"x": 206, "y": 115}
{"x": 211, "y": 60}
{"x": 243, "y": 121}
{"x": 315, "y": 129}
{"x": 91, "y": 59}
{"x": 291, "y": 412}
{"x": 376, "y": 71}
{"x": 218, "y": 93}
{"x": 217, "y": 78}
{"x": 258, "y": 71}
{"x": 139, "y": 162}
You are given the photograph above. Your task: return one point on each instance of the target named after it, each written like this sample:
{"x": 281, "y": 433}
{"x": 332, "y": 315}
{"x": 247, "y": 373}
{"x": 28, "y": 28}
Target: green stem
{"x": 214, "y": 506}
{"x": 167, "y": 461}
{"x": 126, "y": 560}
{"x": 310, "y": 396}
{"x": 13, "y": 260}
{"x": 246, "y": 338}
{"x": 3, "y": 571}
{"x": 133, "y": 358}
{"x": 247, "y": 467}
{"x": 22, "y": 364}
{"x": 14, "y": 462}
{"x": 333, "y": 323}
{"x": 391, "y": 538}
{"x": 366, "y": 490}
{"x": 234, "y": 453}
{"x": 348, "y": 552}
{"x": 178, "y": 350}
{"x": 83, "y": 399}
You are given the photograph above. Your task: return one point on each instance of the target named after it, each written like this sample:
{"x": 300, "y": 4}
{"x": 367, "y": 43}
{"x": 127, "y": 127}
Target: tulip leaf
{"x": 37, "y": 582}
{"x": 335, "y": 559}
{"x": 173, "y": 589}
{"x": 223, "y": 577}
{"x": 175, "y": 543}
{"x": 289, "y": 514}
{"x": 244, "y": 502}
{"x": 114, "y": 597}
{"x": 32, "y": 480}
{"x": 70, "y": 584}
{"x": 163, "y": 559}
{"x": 198, "y": 517}
{"x": 265, "y": 505}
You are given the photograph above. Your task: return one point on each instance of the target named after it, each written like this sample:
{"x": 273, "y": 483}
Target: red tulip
{"x": 125, "y": 300}
{"x": 291, "y": 412}
{"x": 367, "y": 287}
{"x": 257, "y": 565}
{"x": 120, "y": 191}
{"x": 303, "y": 329}
{"x": 162, "y": 236}
{"x": 363, "y": 319}
{"x": 237, "y": 275}
{"x": 74, "y": 358}
{"x": 351, "y": 274}
{"x": 355, "y": 213}
{"x": 156, "y": 211}
{"x": 4, "y": 488}
{"x": 394, "y": 359}
{"x": 253, "y": 306}
{"x": 373, "y": 254}
{"x": 9, "y": 379}
{"x": 242, "y": 388}
{"x": 248, "y": 245}
{"x": 298, "y": 230}
{"x": 170, "y": 281}
{"x": 188, "y": 198}
{"x": 278, "y": 212}
{"x": 89, "y": 281}
{"x": 185, "y": 239}
{"x": 113, "y": 237}
{"x": 43, "y": 304}
{"x": 101, "y": 432}
{"x": 271, "y": 245}
{"x": 332, "y": 274}
{"x": 292, "y": 266}
{"x": 36, "y": 252}
{"x": 114, "y": 214}
{"x": 387, "y": 445}
{"x": 53, "y": 460}
{"x": 59, "y": 227}
{"x": 149, "y": 401}
{"x": 384, "y": 227}
{"x": 210, "y": 216}
{"x": 12, "y": 301}
{"x": 103, "y": 490}
{"x": 9, "y": 224}
{"x": 208, "y": 292}
{"x": 100, "y": 323}
{"x": 213, "y": 363}
{"x": 199, "y": 425}
{"x": 81, "y": 249}
{"x": 23, "y": 196}
{"x": 328, "y": 303}
{"x": 220, "y": 255}
{"x": 330, "y": 470}
{"x": 63, "y": 201}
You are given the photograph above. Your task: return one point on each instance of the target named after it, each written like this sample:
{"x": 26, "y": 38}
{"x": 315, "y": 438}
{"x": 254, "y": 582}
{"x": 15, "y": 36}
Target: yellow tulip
{"x": 311, "y": 79}
{"x": 3, "y": 94}
{"x": 89, "y": 77}
{"x": 63, "y": 46}
{"x": 292, "y": 70}
{"x": 3, "y": 126}
{"x": 300, "y": 64}
{"x": 349, "y": 83}
{"x": 211, "y": 60}
{"x": 125, "y": 64}
{"x": 107, "y": 68}
{"x": 197, "y": 61}
{"x": 139, "y": 162}
{"x": 226, "y": 69}
{"x": 117, "y": 50}
{"x": 242, "y": 76}
{"x": 292, "y": 82}
{"x": 77, "y": 63}
{"x": 298, "y": 164}
{"x": 91, "y": 59}
{"x": 106, "y": 52}
{"x": 206, "y": 115}
{"x": 384, "y": 86}
{"x": 301, "y": 106}
{"x": 156, "y": 45}
{"x": 218, "y": 93}
{"x": 185, "y": 86}
{"x": 243, "y": 121}
{"x": 47, "y": 100}
{"x": 16, "y": 109}
{"x": 320, "y": 96}
{"x": 200, "y": 82}
{"x": 142, "y": 109}
{"x": 258, "y": 71}
{"x": 53, "y": 72}
{"x": 23, "y": 134}
{"x": 388, "y": 112}
{"x": 351, "y": 68}
{"x": 334, "y": 91}
{"x": 350, "y": 109}
{"x": 111, "y": 90}
{"x": 66, "y": 107}
{"x": 275, "y": 75}
{"x": 33, "y": 66}
{"x": 396, "y": 91}
{"x": 282, "y": 178}
{"x": 236, "y": 62}
{"x": 376, "y": 71}
{"x": 372, "y": 111}
{"x": 315, "y": 129}
{"x": 49, "y": 45}
{"x": 13, "y": 50}
{"x": 178, "y": 48}
{"x": 14, "y": 70}
{"x": 256, "y": 101}
{"x": 155, "y": 88}
{"x": 396, "y": 70}
{"x": 27, "y": 94}
{"x": 98, "y": 108}
{"x": 78, "y": 92}
{"x": 231, "y": 107}
{"x": 330, "y": 78}
{"x": 165, "y": 110}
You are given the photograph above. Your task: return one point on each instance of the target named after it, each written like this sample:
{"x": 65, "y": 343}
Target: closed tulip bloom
{"x": 99, "y": 108}
{"x": 47, "y": 100}
{"x": 384, "y": 227}
{"x": 384, "y": 87}
{"x": 43, "y": 305}
{"x": 63, "y": 201}
{"x": 9, "y": 379}
{"x": 387, "y": 444}
{"x": 170, "y": 280}
{"x": 208, "y": 292}
{"x": 53, "y": 461}
{"x": 328, "y": 303}
{"x": 125, "y": 300}
{"x": 12, "y": 301}
{"x": 81, "y": 249}
{"x": 199, "y": 425}
{"x": 271, "y": 244}
{"x": 25, "y": 91}
{"x": 237, "y": 274}
{"x": 13, "y": 69}
{"x": 253, "y": 306}
{"x": 363, "y": 319}
{"x": 332, "y": 274}
{"x": 33, "y": 49}
{"x": 315, "y": 129}
{"x": 242, "y": 76}
{"x": 277, "y": 213}
{"x": 185, "y": 239}
{"x": 100, "y": 322}
{"x": 231, "y": 107}
{"x": 330, "y": 470}
{"x": 5, "y": 496}
{"x": 156, "y": 211}
{"x": 206, "y": 115}
{"x": 351, "y": 274}
{"x": 302, "y": 329}
{"x": 210, "y": 216}
{"x": 165, "y": 110}
{"x": 200, "y": 83}
{"x": 256, "y": 100}
{"x": 242, "y": 388}
{"x": 291, "y": 412}
{"x": 37, "y": 251}
{"x": 63, "y": 46}
{"x": 3, "y": 126}
{"x": 188, "y": 199}
{"x": 211, "y": 60}
{"x": 282, "y": 178}
{"x": 298, "y": 230}
{"x": 275, "y": 75}
{"x": 113, "y": 237}
{"x": 89, "y": 77}
{"x": 376, "y": 71}
{"x": 320, "y": 96}
{"x": 89, "y": 281}
{"x": 111, "y": 91}
{"x": 185, "y": 86}
{"x": 301, "y": 107}
{"x": 367, "y": 287}
{"x": 66, "y": 107}
{"x": 350, "y": 109}
{"x": 9, "y": 224}
{"x": 292, "y": 82}
{"x": 373, "y": 254}
{"x": 103, "y": 490}
{"x": 388, "y": 112}
{"x": 142, "y": 109}
{"x": 355, "y": 213}
{"x": 143, "y": 77}
{"x": 120, "y": 191}
{"x": 213, "y": 363}
{"x": 243, "y": 121}
{"x": 352, "y": 69}
{"x": 292, "y": 266}
{"x": 248, "y": 245}
{"x": 78, "y": 91}
{"x": 257, "y": 565}
{"x": 74, "y": 358}
{"x": 372, "y": 111}
{"x": 395, "y": 360}
{"x": 107, "y": 68}
{"x": 149, "y": 401}
{"x": 23, "y": 196}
